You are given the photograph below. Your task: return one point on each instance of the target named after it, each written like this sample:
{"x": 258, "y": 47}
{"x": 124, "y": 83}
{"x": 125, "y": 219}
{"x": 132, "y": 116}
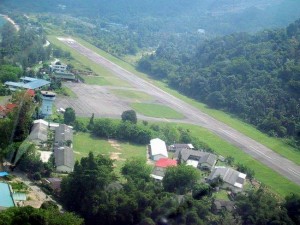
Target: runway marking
{"x": 228, "y": 133}
{"x": 259, "y": 152}
{"x": 295, "y": 172}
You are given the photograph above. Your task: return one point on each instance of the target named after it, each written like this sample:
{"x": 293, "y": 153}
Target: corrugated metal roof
{"x": 63, "y": 133}
{"x": 228, "y": 175}
{"x": 19, "y": 196}
{"x": 64, "y": 156}
{"x": 158, "y": 147}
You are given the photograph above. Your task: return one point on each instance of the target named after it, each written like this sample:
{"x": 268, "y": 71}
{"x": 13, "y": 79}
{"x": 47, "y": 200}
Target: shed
{"x": 158, "y": 149}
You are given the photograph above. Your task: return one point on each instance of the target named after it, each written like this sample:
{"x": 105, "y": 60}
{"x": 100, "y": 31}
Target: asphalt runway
{"x": 193, "y": 115}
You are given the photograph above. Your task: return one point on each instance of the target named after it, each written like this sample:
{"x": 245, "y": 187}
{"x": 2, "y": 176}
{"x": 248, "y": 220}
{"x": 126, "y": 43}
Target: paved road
{"x": 258, "y": 151}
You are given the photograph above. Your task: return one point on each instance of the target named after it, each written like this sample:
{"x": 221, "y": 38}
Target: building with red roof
{"x": 30, "y": 92}
{"x": 4, "y": 110}
{"x": 161, "y": 165}
{"x": 165, "y": 162}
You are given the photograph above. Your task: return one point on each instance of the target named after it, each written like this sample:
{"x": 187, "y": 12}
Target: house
{"x": 161, "y": 165}
{"x": 232, "y": 179}
{"x": 158, "y": 149}
{"x": 207, "y": 161}
{"x": 197, "y": 159}
{"x": 6, "y": 199}
{"x": 64, "y": 159}
{"x": 175, "y": 147}
{"x": 54, "y": 183}
{"x": 58, "y": 66}
{"x": 27, "y": 83}
{"x": 63, "y": 135}
{"x": 39, "y": 134}
{"x": 221, "y": 205}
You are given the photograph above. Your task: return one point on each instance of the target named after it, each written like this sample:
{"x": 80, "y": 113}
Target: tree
{"x": 136, "y": 169}
{"x": 129, "y": 115}
{"x": 69, "y": 116}
{"x": 292, "y": 205}
{"x": 180, "y": 179}
{"x": 29, "y": 215}
{"x": 91, "y": 123}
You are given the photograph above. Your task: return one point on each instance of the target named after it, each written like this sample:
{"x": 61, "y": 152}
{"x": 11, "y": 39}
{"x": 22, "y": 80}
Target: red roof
{"x": 165, "y": 162}
{"x": 10, "y": 106}
{"x": 30, "y": 92}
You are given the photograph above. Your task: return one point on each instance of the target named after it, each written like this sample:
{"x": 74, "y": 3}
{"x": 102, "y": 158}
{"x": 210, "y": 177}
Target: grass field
{"x": 120, "y": 151}
{"x": 277, "y": 145}
{"x": 155, "y": 110}
{"x": 137, "y": 96}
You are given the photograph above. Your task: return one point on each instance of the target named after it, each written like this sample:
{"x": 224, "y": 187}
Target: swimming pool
{"x": 5, "y": 196}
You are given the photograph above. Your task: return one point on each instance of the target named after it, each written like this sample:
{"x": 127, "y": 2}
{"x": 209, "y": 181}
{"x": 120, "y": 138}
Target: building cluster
{"x": 204, "y": 161}
{"x": 60, "y": 71}
{"x": 62, "y": 144}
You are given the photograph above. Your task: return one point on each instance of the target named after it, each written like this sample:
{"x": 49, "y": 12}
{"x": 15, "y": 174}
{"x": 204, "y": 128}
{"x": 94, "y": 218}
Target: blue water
{"x": 5, "y": 196}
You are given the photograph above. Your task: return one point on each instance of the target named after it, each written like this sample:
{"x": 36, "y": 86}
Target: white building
{"x": 158, "y": 149}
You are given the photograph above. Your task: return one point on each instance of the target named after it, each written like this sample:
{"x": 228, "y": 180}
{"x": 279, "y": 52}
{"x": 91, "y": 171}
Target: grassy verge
{"x": 3, "y": 99}
{"x": 133, "y": 95}
{"x": 155, "y": 110}
{"x": 277, "y": 145}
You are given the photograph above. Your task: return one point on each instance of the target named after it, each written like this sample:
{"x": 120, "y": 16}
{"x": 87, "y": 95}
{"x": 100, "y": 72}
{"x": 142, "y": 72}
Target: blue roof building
{"x": 27, "y": 83}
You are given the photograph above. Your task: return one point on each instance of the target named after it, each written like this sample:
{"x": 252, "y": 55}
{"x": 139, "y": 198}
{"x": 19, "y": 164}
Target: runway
{"x": 193, "y": 115}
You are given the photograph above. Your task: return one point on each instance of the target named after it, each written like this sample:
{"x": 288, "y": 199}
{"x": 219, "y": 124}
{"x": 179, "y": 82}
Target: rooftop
{"x": 158, "y": 147}
{"x": 165, "y": 162}
{"x": 64, "y": 156}
{"x": 229, "y": 175}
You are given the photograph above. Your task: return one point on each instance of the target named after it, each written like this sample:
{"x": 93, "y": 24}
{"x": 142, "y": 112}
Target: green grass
{"x": 277, "y": 145}
{"x": 221, "y": 195}
{"x": 67, "y": 91}
{"x": 107, "y": 75}
{"x": 264, "y": 174}
{"x": 155, "y": 110}
{"x": 133, "y": 95}
{"x": 85, "y": 143}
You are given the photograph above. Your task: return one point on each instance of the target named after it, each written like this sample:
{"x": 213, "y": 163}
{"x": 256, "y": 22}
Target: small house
{"x": 176, "y": 147}
{"x": 161, "y": 165}
{"x": 63, "y": 135}
{"x": 232, "y": 179}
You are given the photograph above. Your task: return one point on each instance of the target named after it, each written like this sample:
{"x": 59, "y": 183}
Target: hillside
{"x": 256, "y": 77}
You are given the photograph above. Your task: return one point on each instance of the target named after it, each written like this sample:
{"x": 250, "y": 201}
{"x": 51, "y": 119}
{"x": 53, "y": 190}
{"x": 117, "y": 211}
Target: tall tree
{"x": 69, "y": 116}
{"x": 129, "y": 115}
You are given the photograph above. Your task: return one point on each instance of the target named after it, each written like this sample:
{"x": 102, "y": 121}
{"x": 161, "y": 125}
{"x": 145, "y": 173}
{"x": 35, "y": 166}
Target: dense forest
{"x": 256, "y": 77}
{"x": 125, "y": 27}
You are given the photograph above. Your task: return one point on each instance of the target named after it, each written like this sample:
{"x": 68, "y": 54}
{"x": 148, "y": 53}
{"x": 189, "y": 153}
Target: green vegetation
{"x": 155, "y": 110}
{"x": 29, "y": 215}
{"x": 276, "y": 144}
{"x": 138, "y": 96}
